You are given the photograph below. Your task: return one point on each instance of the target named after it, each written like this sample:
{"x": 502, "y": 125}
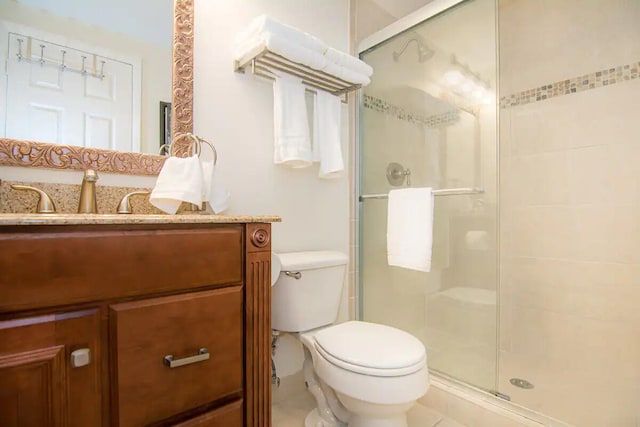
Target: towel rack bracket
{"x": 265, "y": 63}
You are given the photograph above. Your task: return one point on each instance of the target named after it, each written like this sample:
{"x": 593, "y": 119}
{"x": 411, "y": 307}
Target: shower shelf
{"x": 443, "y": 192}
{"x": 262, "y": 62}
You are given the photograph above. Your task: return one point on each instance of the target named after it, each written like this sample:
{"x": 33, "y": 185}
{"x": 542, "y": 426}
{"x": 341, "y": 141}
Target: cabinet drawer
{"x": 228, "y": 416}
{"x": 101, "y": 263}
{"x": 145, "y": 389}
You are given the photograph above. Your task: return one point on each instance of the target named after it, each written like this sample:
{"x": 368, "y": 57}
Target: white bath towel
{"x": 351, "y": 62}
{"x": 345, "y": 73}
{"x": 326, "y": 135}
{"x": 282, "y": 46}
{"x": 410, "y": 228}
{"x": 266, "y": 25}
{"x": 292, "y": 145}
{"x": 180, "y": 180}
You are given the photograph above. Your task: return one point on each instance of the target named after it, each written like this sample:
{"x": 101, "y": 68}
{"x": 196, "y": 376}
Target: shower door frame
{"x": 415, "y": 18}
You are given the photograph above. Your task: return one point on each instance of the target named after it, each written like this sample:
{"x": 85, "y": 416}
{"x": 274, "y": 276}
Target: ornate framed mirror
{"x": 15, "y": 152}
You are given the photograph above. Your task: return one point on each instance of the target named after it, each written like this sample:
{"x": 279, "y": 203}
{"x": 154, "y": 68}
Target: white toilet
{"x": 362, "y": 374}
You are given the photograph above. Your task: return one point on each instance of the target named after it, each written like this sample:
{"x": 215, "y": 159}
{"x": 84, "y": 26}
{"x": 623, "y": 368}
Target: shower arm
{"x": 424, "y": 52}
{"x": 396, "y": 55}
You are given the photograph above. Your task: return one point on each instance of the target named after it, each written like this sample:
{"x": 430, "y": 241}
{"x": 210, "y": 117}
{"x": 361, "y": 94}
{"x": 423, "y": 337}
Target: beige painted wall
{"x": 570, "y": 213}
{"x": 235, "y": 112}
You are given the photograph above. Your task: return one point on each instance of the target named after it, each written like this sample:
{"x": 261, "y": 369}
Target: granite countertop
{"x": 80, "y": 219}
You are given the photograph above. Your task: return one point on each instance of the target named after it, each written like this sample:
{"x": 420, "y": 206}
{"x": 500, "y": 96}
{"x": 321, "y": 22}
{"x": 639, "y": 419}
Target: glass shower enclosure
{"x": 534, "y": 284}
{"x": 428, "y": 119}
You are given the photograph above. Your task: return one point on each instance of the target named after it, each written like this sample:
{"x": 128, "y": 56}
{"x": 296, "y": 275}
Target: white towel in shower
{"x": 327, "y": 148}
{"x": 292, "y": 145}
{"x": 410, "y": 228}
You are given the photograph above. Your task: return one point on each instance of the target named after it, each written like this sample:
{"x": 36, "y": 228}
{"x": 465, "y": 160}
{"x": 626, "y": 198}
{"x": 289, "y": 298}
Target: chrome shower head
{"x": 424, "y": 51}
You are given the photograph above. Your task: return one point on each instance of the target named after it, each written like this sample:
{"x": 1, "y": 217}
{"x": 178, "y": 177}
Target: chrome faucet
{"x": 88, "y": 193}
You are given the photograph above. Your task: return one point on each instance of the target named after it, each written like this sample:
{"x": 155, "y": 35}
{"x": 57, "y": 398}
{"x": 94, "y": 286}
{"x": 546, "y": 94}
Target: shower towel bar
{"x": 443, "y": 192}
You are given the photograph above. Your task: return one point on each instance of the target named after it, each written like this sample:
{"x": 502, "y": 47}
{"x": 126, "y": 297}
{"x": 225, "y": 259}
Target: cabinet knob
{"x": 80, "y": 357}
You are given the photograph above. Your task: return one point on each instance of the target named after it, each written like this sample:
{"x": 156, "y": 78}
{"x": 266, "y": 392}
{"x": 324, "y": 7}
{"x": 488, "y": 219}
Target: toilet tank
{"x": 312, "y": 300}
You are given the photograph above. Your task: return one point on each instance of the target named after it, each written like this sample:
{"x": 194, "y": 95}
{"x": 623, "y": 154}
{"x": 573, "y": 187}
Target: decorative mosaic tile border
{"x": 600, "y": 78}
{"x": 434, "y": 121}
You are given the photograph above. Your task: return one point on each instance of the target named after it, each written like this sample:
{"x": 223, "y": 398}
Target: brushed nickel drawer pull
{"x": 202, "y": 355}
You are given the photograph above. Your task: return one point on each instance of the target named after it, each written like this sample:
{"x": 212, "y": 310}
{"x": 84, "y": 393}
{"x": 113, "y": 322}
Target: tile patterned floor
{"x": 292, "y": 402}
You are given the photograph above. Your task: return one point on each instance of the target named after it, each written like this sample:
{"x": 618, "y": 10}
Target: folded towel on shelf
{"x": 345, "y": 73}
{"x": 292, "y": 145}
{"x": 266, "y": 25}
{"x": 284, "y": 47}
{"x": 410, "y": 228}
{"x": 350, "y": 62}
{"x": 326, "y": 135}
{"x": 180, "y": 180}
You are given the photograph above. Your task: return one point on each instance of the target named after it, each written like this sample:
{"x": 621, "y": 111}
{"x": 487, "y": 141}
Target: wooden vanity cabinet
{"x": 39, "y": 385}
{"x": 135, "y": 325}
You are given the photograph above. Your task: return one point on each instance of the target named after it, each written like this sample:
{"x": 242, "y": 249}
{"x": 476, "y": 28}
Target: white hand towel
{"x": 266, "y": 25}
{"x": 180, "y": 180}
{"x": 214, "y": 191}
{"x": 410, "y": 228}
{"x": 326, "y": 135}
{"x": 351, "y": 62}
{"x": 292, "y": 145}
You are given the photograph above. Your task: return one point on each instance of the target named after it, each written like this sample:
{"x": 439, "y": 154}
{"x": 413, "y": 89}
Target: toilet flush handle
{"x": 295, "y": 274}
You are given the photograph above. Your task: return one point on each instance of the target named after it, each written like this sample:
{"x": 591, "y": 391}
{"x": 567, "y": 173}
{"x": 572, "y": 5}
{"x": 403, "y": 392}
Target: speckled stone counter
{"x": 79, "y": 219}
{"x": 18, "y": 208}
{"x": 66, "y": 197}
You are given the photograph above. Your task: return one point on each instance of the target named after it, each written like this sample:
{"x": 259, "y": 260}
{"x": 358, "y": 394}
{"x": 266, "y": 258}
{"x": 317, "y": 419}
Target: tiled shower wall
{"x": 570, "y": 208}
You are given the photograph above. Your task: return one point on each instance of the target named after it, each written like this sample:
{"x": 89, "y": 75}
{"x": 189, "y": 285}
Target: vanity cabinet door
{"x": 175, "y": 354}
{"x": 42, "y": 381}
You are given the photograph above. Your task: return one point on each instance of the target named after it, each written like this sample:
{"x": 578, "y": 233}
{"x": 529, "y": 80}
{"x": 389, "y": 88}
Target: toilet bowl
{"x": 361, "y": 374}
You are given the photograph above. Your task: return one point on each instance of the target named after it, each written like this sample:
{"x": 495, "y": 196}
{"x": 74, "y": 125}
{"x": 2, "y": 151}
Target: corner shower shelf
{"x": 262, "y": 62}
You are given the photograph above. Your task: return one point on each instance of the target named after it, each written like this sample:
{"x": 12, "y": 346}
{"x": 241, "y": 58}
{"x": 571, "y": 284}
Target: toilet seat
{"x": 370, "y": 349}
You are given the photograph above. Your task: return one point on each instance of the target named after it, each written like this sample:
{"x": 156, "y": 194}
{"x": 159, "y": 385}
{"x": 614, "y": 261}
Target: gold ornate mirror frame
{"x": 14, "y": 152}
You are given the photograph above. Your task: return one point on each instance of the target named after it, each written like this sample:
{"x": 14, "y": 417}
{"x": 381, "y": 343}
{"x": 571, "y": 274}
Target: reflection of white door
{"x": 49, "y": 104}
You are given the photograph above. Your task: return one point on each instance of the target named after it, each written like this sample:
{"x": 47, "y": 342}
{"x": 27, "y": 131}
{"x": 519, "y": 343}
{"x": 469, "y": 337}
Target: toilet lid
{"x": 371, "y": 348}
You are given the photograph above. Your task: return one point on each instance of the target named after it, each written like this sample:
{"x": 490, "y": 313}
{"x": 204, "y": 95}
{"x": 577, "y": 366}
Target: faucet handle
{"x": 124, "y": 207}
{"x": 45, "y": 203}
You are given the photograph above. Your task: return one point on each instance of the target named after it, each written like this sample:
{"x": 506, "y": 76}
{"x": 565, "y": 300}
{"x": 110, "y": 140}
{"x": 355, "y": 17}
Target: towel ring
{"x": 196, "y": 145}
{"x": 199, "y": 148}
